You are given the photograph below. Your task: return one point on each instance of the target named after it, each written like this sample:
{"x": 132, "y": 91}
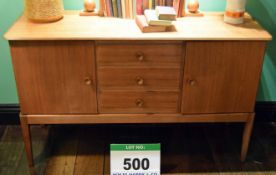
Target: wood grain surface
{"x": 90, "y": 159}
{"x": 62, "y": 160}
{"x": 13, "y": 159}
{"x": 162, "y": 78}
{"x": 140, "y": 54}
{"x": 211, "y": 149}
{"x": 136, "y": 77}
{"x": 137, "y": 118}
{"x": 55, "y": 76}
{"x": 133, "y": 79}
{"x": 138, "y": 102}
{"x": 221, "y": 76}
{"x": 10, "y": 151}
{"x": 75, "y": 27}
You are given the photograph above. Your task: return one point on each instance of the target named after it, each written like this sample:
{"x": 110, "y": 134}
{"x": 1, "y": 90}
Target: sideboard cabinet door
{"x": 221, "y": 76}
{"x": 55, "y": 77}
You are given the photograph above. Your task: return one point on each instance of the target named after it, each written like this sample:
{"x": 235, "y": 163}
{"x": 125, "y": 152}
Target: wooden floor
{"x": 186, "y": 149}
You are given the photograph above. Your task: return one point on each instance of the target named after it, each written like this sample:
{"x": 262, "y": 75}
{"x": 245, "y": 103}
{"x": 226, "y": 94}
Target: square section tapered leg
{"x": 246, "y": 136}
{"x": 25, "y": 127}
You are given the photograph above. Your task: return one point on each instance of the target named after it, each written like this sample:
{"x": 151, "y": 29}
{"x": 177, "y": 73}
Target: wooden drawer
{"x": 139, "y": 78}
{"x": 168, "y": 55}
{"x": 138, "y": 102}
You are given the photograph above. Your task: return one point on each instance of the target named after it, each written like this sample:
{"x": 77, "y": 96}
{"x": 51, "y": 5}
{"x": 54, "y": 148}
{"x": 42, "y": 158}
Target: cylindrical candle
{"x": 234, "y": 12}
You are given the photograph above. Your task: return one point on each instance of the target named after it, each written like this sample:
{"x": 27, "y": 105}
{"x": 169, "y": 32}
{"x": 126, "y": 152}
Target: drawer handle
{"x": 139, "y": 102}
{"x": 140, "y": 81}
{"x": 88, "y": 81}
{"x": 140, "y": 56}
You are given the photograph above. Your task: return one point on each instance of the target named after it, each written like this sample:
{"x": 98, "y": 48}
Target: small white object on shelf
{"x": 234, "y": 13}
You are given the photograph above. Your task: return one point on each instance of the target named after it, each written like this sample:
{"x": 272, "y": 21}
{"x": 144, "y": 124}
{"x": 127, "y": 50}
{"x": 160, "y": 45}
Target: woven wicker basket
{"x": 44, "y": 10}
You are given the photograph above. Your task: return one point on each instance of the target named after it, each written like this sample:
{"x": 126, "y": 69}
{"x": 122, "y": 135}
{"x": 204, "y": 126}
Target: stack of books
{"x": 130, "y": 8}
{"x": 158, "y": 20}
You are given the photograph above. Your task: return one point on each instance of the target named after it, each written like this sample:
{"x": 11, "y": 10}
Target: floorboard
{"x": 11, "y": 150}
{"x": 90, "y": 156}
{"x": 187, "y": 149}
{"x": 266, "y": 137}
{"x": 41, "y": 148}
{"x": 2, "y": 130}
{"x": 64, "y": 153}
{"x": 12, "y": 154}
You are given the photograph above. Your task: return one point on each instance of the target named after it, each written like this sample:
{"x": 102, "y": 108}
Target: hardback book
{"x": 181, "y": 10}
{"x": 150, "y": 4}
{"x": 111, "y": 8}
{"x": 145, "y": 28}
{"x": 119, "y": 6}
{"x": 139, "y": 7}
{"x": 115, "y": 8}
{"x": 130, "y": 9}
{"x": 159, "y": 2}
{"x": 127, "y": 9}
{"x": 145, "y": 4}
{"x": 176, "y": 4}
{"x": 134, "y": 8}
{"x": 152, "y": 19}
{"x": 107, "y": 8}
{"x": 169, "y": 3}
{"x": 156, "y": 2}
{"x": 123, "y": 5}
{"x": 165, "y": 13}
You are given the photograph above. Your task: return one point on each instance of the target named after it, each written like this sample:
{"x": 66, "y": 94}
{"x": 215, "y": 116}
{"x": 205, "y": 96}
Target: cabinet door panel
{"x": 221, "y": 77}
{"x": 55, "y": 77}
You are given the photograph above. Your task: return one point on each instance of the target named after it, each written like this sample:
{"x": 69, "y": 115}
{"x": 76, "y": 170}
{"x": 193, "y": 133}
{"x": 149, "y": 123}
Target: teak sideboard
{"x": 104, "y": 70}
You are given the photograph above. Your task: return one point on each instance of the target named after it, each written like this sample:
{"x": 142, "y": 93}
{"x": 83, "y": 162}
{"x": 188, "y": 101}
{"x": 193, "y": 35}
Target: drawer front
{"x": 138, "y": 102}
{"x": 168, "y": 55}
{"x": 139, "y": 78}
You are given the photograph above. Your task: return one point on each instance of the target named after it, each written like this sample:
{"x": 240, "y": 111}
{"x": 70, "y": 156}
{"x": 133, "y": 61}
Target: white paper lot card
{"x": 135, "y": 159}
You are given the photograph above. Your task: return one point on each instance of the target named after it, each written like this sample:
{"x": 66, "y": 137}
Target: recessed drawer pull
{"x": 140, "y": 56}
{"x": 140, "y": 81}
{"x": 88, "y": 81}
{"x": 139, "y": 102}
{"x": 192, "y": 82}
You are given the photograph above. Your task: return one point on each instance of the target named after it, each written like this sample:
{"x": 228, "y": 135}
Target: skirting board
{"x": 265, "y": 112}
{"x": 9, "y": 114}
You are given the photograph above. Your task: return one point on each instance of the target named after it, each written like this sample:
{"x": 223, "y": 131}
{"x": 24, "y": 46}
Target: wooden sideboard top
{"x": 75, "y": 27}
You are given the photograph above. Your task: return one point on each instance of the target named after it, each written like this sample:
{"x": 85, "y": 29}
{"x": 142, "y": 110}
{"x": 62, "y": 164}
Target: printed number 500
{"x": 136, "y": 163}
